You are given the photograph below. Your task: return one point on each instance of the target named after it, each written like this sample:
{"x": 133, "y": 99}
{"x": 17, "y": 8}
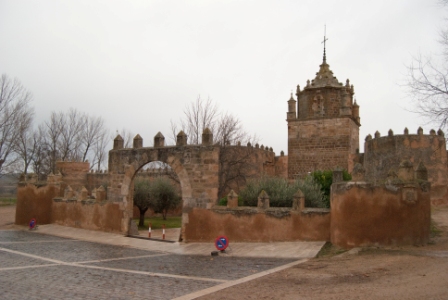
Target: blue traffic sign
{"x": 221, "y": 243}
{"x": 32, "y": 223}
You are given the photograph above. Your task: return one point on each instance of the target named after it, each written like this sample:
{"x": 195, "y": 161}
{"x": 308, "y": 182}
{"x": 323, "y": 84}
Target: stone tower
{"x": 323, "y": 125}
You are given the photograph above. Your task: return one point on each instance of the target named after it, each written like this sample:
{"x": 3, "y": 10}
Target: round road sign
{"x": 221, "y": 243}
{"x": 32, "y": 223}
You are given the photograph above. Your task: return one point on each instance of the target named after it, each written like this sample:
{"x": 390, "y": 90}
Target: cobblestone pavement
{"x": 38, "y": 266}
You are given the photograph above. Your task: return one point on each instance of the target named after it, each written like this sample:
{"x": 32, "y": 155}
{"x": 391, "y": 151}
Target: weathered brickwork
{"x": 323, "y": 126}
{"x": 321, "y": 144}
{"x": 74, "y": 173}
{"x": 397, "y": 212}
{"x": 383, "y": 155}
{"x": 323, "y": 134}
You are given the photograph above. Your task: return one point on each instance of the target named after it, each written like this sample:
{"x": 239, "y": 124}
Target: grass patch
{"x": 329, "y": 250}
{"x": 157, "y": 222}
{"x": 6, "y": 201}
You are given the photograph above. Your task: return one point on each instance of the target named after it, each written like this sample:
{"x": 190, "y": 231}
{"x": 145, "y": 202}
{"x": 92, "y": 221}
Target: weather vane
{"x": 324, "y": 41}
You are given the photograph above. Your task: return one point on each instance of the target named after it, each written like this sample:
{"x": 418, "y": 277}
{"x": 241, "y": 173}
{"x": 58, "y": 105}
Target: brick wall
{"x": 383, "y": 154}
{"x": 321, "y": 144}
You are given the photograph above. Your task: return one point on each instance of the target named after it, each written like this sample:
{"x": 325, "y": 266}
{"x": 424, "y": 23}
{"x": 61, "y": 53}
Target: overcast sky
{"x": 138, "y": 64}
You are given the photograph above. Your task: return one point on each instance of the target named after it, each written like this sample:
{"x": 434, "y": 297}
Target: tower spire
{"x": 324, "y": 41}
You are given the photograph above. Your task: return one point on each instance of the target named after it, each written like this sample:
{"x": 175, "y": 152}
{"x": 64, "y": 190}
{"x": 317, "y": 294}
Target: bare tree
{"x": 26, "y": 146}
{"x": 52, "y": 132}
{"x": 92, "y": 131}
{"x": 15, "y": 117}
{"x": 199, "y": 115}
{"x": 428, "y": 86}
{"x": 236, "y": 163}
{"x": 99, "y": 150}
{"x": 71, "y": 135}
{"x": 74, "y": 136}
{"x": 427, "y": 83}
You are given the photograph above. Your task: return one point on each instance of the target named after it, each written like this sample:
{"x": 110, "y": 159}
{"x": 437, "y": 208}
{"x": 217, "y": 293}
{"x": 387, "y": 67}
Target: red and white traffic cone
{"x": 149, "y": 230}
{"x": 163, "y": 231}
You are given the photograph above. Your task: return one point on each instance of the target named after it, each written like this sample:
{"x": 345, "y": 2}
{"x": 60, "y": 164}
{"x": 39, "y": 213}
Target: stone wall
{"x": 196, "y": 167}
{"x": 74, "y": 174}
{"x": 237, "y": 164}
{"x": 321, "y": 144}
{"x": 384, "y": 154}
{"x": 92, "y": 215}
{"x": 249, "y": 224}
{"x": 95, "y": 180}
{"x": 35, "y": 202}
{"x": 281, "y": 166}
{"x": 366, "y": 215}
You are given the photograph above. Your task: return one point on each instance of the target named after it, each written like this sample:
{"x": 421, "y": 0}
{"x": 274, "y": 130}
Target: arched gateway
{"x": 197, "y": 167}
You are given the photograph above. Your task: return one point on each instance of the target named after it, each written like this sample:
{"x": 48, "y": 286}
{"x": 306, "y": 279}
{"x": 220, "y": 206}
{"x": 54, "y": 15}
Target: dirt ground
{"x": 7, "y": 216}
{"x": 371, "y": 273}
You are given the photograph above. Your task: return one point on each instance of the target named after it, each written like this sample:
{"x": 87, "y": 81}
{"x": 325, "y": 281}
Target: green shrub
{"x": 281, "y": 192}
{"x": 325, "y": 179}
{"x": 314, "y": 197}
{"x": 223, "y": 201}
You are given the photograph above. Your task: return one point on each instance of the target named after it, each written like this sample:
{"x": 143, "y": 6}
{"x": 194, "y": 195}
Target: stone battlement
{"x": 383, "y": 154}
{"x": 432, "y": 134}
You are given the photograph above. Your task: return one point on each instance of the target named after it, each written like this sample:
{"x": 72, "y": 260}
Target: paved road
{"x": 39, "y": 266}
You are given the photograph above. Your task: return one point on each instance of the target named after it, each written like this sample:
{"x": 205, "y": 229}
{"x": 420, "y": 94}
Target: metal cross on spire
{"x": 323, "y": 42}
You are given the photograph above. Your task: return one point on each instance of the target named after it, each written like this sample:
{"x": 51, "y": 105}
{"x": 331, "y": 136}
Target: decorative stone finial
{"x": 298, "y": 202}
{"x": 118, "y": 142}
{"x": 420, "y": 131}
{"x": 138, "y": 142}
{"x": 377, "y": 134}
{"x": 159, "y": 140}
{"x": 263, "y": 200}
{"x": 181, "y": 139}
{"x": 390, "y": 133}
{"x": 207, "y": 137}
{"x": 406, "y": 131}
{"x": 232, "y": 199}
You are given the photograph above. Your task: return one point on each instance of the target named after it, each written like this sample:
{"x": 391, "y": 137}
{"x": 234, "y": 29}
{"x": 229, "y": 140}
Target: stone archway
{"x": 196, "y": 166}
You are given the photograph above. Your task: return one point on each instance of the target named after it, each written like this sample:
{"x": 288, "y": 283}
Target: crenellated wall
{"x": 384, "y": 153}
